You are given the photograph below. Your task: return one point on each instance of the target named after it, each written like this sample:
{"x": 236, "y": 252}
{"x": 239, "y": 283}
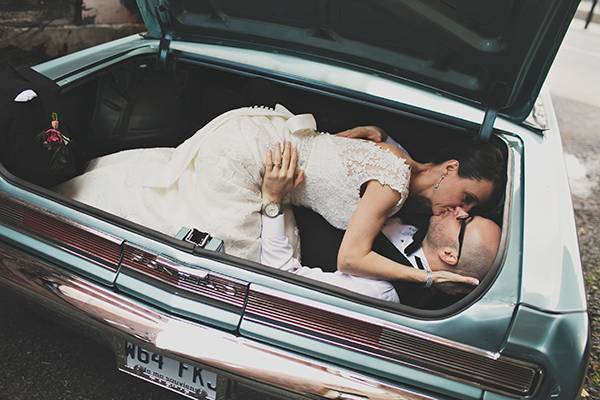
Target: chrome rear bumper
{"x": 124, "y": 319}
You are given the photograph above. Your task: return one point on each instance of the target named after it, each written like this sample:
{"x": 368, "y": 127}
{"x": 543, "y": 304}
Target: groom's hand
{"x": 372, "y": 133}
{"x": 281, "y": 176}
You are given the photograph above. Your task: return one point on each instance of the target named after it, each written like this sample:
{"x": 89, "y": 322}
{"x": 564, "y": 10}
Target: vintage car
{"x": 184, "y": 315}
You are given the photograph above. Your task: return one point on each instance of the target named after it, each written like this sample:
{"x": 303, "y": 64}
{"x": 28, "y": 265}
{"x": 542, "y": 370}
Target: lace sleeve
{"x": 365, "y": 161}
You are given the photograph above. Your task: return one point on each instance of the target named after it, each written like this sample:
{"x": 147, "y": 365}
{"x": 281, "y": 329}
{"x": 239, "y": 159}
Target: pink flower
{"x": 53, "y": 136}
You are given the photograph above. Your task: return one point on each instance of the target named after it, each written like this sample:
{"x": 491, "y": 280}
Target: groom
{"x": 440, "y": 250}
{"x": 454, "y": 243}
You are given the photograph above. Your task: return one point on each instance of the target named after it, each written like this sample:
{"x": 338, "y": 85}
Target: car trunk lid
{"x": 493, "y": 54}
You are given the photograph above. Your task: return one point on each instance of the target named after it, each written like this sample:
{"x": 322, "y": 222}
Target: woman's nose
{"x": 467, "y": 207}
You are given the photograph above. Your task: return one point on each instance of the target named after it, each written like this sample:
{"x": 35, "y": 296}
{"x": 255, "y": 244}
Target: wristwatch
{"x": 271, "y": 209}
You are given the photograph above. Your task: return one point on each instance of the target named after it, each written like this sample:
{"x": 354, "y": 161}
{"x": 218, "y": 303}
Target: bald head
{"x": 480, "y": 245}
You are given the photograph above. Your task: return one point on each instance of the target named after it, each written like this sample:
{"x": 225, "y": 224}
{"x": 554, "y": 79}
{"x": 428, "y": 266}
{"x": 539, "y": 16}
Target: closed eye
{"x": 470, "y": 199}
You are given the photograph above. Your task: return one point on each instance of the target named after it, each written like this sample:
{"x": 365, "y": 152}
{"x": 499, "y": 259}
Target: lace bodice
{"x": 336, "y": 168}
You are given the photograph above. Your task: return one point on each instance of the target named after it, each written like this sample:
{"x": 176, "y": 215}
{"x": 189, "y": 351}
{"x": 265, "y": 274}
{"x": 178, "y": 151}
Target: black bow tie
{"x": 419, "y": 263}
{"x": 417, "y": 240}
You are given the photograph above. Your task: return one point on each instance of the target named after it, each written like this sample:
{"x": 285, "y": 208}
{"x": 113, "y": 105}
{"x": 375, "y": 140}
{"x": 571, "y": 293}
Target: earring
{"x": 437, "y": 185}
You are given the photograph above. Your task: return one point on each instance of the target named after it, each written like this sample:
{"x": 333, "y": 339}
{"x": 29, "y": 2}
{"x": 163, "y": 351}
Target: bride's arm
{"x": 356, "y": 256}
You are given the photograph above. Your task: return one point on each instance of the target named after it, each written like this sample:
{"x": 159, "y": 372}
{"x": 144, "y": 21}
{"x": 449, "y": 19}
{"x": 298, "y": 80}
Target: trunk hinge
{"x": 487, "y": 126}
{"x": 163, "y": 50}
{"x": 166, "y": 36}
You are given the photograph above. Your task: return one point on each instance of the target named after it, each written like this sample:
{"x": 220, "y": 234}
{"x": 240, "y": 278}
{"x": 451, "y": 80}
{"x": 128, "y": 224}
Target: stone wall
{"x": 28, "y": 13}
{"x": 109, "y": 11}
{"x": 55, "y": 27}
{"x": 31, "y": 13}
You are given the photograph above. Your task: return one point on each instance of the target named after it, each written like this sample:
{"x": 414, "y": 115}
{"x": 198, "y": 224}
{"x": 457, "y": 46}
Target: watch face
{"x": 272, "y": 209}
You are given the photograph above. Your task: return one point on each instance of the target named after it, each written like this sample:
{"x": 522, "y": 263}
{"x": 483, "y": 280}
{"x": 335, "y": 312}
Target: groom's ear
{"x": 448, "y": 255}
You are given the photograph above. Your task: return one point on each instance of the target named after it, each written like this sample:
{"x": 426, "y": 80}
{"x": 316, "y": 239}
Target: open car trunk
{"x": 138, "y": 104}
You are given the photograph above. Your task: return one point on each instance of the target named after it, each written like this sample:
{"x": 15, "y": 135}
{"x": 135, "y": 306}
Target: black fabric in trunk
{"x": 22, "y": 150}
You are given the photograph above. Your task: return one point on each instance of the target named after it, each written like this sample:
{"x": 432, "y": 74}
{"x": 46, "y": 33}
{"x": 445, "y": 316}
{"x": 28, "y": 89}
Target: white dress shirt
{"x": 401, "y": 236}
{"x": 276, "y": 252}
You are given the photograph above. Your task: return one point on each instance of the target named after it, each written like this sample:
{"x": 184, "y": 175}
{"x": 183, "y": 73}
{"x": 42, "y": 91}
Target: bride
{"x": 212, "y": 182}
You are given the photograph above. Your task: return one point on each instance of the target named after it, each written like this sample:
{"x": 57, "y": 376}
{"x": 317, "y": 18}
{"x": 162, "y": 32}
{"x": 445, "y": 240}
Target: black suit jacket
{"x": 319, "y": 247}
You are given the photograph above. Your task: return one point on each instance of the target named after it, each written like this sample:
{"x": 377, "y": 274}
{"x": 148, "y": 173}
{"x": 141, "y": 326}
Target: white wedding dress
{"x": 212, "y": 181}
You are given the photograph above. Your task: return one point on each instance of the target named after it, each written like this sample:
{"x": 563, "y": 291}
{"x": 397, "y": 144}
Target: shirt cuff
{"x": 389, "y": 140}
{"x": 273, "y": 227}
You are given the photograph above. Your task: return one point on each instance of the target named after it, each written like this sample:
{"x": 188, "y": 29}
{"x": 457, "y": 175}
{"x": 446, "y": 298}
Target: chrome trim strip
{"x": 367, "y": 319}
{"x": 186, "y": 280}
{"x": 125, "y": 319}
{"x": 357, "y": 332}
{"x": 97, "y": 247}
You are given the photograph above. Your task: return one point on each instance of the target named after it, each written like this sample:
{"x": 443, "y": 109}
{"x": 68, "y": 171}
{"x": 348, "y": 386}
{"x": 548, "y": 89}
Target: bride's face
{"x": 454, "y": 191}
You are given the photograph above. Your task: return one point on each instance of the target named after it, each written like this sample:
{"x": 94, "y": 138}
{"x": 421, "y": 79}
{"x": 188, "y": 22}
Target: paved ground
{"x": 48, "y": 361}
{"x": 43, "y": 360}
{"x": 575, "y": 72}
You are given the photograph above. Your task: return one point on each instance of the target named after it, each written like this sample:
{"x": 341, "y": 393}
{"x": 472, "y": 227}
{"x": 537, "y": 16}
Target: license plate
{"x": 186, "y": 379}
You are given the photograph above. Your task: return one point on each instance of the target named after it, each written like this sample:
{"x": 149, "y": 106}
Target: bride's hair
{"x": 477, "y": 160}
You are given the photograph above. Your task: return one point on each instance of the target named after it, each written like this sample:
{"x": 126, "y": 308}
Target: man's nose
{"x": 462, "y": 212}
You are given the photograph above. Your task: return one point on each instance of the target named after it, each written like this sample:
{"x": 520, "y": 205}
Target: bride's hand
{"x": 372, "y": 133}
{"x": 281, "y": 176}
{"x": 440, "y": 277}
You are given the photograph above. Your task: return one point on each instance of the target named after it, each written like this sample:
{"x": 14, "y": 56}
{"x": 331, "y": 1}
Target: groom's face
{"x": 481, "y": 239}
{"x": 444, "y": 228}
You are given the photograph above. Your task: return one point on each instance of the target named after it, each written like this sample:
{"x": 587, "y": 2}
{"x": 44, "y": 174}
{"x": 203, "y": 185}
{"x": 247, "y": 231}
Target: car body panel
{"x": 559, "y": 342}
{"x": 496, "y": 54}
{"x": 550, "y": 247}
